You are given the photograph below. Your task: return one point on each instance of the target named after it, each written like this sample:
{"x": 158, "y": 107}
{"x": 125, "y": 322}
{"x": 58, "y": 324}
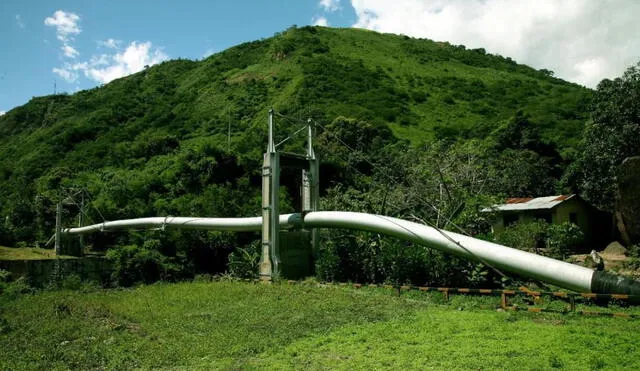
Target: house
{"x": 552, "y": 209}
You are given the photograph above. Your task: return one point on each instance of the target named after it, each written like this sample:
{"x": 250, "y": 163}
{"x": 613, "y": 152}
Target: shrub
{"x": 361, "y": 257}
{"x": 16, "y": 288}
{"x": 562, "y": 239}
{"x": 244, "y": 262}
{"x": 558, "y": 240}
{"x": 133, "y": 264}
{"x": 71, "y": 282}
{"x": 5, "y": 276}
{"x": 524, "y": 236}
{"x": 633, "y": 260}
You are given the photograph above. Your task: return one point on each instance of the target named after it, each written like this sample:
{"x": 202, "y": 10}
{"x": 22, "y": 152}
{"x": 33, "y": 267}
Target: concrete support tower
{"x": 288, "y": 254}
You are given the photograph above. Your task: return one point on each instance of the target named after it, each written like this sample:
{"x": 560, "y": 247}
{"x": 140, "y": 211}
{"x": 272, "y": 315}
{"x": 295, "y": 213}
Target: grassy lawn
{"x": 225, "y": 325}
{"x": 28, "y": 253}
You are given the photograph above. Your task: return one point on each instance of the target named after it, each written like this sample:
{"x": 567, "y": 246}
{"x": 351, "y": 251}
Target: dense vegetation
{"x": 204, "y": 325}
{"x": 428, "y": 126}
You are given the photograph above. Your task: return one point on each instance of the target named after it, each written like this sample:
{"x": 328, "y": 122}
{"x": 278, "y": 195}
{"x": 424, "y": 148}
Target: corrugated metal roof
{"x": 518, "y": 200}
{"x": 539, "y": 203}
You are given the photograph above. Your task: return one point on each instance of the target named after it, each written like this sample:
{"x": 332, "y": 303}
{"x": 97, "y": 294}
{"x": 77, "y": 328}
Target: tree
{"x": 612, "y": 134}
{"x": 525, "y": 165}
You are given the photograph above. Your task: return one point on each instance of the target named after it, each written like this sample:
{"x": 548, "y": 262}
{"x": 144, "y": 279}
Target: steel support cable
{"x": 290, "y": 136}
{"x": 81, "y": 210}
{"x": 420, "y": 199}
{"x": 391, "y": 179}
{"x": 461, "y": 246}
{"x": 394, "y": 181}
{"x": 536, "y": 267}
{"x": 91, "y": 201}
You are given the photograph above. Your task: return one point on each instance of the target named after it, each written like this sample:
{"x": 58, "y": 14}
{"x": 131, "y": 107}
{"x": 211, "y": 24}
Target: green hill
{"x": 156, "y": 142}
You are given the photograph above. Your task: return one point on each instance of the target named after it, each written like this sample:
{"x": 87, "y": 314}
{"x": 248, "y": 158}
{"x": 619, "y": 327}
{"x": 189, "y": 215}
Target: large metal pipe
{"x": 217, "y": 224}
{"x": 563, "y": 274}
{"x": 526, "y": 264}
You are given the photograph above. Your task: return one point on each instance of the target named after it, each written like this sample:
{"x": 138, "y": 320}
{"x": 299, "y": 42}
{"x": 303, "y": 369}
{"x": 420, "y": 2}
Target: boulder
{"x": 615, "y": 248}
{"x": 628, "y": 200}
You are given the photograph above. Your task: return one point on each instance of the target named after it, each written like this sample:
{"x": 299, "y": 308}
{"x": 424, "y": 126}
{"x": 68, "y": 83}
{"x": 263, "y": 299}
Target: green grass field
{"x": 28, "y": 253}
{"x": 230, "y": 325}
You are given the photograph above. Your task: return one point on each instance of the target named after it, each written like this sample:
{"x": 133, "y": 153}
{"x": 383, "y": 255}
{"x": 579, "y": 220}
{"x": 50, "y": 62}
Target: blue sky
{"x": 105, "y": 39}
{"x": 81, "y": 44}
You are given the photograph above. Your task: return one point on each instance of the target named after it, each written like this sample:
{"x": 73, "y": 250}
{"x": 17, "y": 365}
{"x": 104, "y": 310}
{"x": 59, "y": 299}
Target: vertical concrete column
{"x": 270, "y": 259}
{"x": 311, "y": 184}
{"x": 274, "y": 216}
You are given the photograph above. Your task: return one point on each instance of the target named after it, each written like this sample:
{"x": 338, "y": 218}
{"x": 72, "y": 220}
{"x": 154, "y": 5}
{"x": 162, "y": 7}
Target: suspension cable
{"x": 438, "y": 229}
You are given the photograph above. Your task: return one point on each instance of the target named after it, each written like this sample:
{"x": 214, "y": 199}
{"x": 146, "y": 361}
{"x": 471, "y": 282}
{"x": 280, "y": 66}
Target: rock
{"x": 628, "y": 200}
{"x": 615, "y": 248}
{"x": 595, "y": 261}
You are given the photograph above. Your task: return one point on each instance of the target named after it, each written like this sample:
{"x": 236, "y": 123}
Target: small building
{"x": 552, "y": 209}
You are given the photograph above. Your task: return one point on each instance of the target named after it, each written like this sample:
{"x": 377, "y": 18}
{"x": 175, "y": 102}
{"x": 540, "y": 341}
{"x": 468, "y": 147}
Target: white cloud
{"x": 20, "y": 22}
{"x": 330, "y": 5}
{"x": 110, "y": 43}
{"x": 105, "y": 68}
{"x": 590, "y": 71}
{"x": 320, "y": 21}
{"x": 581, "y": 40}
{"x": 2, "y": 113}
{"x": 69, "y": 51}
{"x": 65, "y": 23}
{"x": 66, "y": 74}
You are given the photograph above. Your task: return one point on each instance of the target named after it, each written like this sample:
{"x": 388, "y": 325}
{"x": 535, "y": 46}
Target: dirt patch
{"x": 611, "y": 261}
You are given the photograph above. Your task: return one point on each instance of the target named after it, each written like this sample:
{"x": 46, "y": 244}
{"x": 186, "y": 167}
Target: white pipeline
{"x": 526, "y": 264}
{"x": 216, "y": 224}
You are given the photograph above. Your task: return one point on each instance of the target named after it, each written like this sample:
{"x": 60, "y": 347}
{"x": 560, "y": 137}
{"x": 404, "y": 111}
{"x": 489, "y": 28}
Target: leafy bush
{"x": 244, "y": 262}
{"x": 5, "y": 276}
{"x": 633, "y": 254}
{"x": 16, "y": 288}
{"x": 133, "y": 264}
{"x": 362, "y": 257}
{"x": 557, "y": 240}
{"x": 524, "y": 236}
{"x": 562, "y": 239}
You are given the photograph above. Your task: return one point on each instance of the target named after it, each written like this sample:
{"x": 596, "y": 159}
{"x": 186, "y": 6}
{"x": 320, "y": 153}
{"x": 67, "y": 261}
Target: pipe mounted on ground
{"x": 562, "y": 274}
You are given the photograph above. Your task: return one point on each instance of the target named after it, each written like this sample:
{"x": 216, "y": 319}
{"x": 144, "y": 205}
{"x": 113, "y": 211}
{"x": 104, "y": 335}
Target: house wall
{"x": 524, "y": 216}
{"x": 559, "y": 215}
{"x": 580, "y": 208}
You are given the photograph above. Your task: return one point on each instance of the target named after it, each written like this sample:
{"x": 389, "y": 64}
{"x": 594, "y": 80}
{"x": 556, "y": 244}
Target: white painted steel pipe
{"x": 530, "y": 265}
{"x": 217, "y": 224}
{"x": 566, "y": 275}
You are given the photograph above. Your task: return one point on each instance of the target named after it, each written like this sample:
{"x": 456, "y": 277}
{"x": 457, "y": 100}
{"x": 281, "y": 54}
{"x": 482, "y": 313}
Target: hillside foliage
{"x": 186, "y": 138}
